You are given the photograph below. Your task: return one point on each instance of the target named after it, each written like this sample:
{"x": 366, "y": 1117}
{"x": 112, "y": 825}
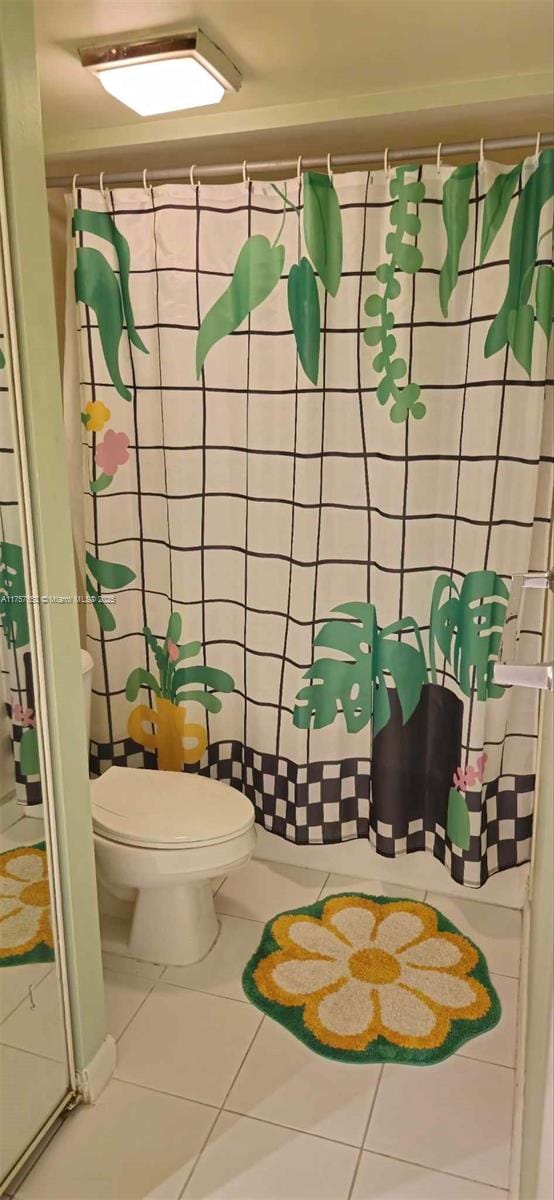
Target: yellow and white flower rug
{"x": 25, "y": 925}
{"x": 370, "y": 979}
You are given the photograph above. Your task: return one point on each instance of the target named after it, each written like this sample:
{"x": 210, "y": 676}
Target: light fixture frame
{"x": 193, "y": 44}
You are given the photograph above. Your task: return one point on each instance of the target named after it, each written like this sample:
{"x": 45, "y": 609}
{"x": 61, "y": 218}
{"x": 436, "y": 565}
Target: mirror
{"x": 35, "y": 1059}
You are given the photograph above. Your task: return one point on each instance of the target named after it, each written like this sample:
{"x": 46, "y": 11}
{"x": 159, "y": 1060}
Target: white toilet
{"x": 160, "y": 837}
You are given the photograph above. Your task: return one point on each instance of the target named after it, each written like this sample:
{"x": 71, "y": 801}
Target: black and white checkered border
{"x": 325, "y": 803}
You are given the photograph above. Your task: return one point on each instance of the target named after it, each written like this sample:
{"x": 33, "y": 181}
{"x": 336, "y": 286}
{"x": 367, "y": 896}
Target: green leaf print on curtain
{"x": 406, "y": 258}
{"x": 356, "y": 686}
{"x": 13, "y": 609}
{"x": 496, "y": 206}
{"x": 112, "y": 577}
{"x": 323, "y": 229}
{"x": 514, "y": 326}
{"x": 455, "y": 214}
{"x": 303, "y": 301}
{"x": 257, "y": 271}
{"x": 466, "y": 626}
{"x": 97, "y": 285}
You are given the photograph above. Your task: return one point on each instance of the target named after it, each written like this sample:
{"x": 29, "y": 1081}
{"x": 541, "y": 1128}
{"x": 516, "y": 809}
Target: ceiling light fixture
{"x": 165, "y": 74}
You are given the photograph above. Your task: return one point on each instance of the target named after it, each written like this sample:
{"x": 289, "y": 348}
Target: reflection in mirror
{"x": 34, "y": 1064}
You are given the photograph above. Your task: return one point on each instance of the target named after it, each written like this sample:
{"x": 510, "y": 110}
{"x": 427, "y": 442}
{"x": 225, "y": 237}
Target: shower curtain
{"x": 316, "y": 445}
{"x": 16, "y": 674}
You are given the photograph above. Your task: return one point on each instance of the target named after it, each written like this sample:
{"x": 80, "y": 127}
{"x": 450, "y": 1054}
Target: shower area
{"x": 310, "y": 430}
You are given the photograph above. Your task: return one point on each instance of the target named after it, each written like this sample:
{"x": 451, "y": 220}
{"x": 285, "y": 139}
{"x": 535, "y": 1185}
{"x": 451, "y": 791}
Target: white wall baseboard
{"x": 92, "y": 1080}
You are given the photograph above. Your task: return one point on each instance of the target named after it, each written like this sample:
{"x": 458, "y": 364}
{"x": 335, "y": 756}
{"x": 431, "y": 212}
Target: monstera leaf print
{"x": 323, "y": 229}
{"x": 466, "y": 624}
{"x": 355, "y": 685}
{"x": 97, "y": 285}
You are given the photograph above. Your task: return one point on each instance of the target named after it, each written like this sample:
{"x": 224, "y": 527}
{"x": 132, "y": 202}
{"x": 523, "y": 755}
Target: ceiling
{"x": 338, "y": 74}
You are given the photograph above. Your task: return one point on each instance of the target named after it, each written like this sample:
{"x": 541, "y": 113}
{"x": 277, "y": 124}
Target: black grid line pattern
{"x": 255, "y": 502}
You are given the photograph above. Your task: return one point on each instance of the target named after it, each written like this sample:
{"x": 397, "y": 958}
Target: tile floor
{"x": 211, "y": 1099}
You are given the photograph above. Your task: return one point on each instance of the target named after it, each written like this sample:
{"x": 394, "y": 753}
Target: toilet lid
{"x": 167, "y": 808}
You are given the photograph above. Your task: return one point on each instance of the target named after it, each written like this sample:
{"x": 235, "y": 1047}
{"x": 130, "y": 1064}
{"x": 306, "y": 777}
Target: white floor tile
{"x": 124, "y": 994}
{"x": 455, "y": 1117}
{"x": 498, "y": 1046}
{"x": 381, "y": 1178}
{"x": 221, "y": 971}
{"x": 495, "y": 930}
{"x": 16, "y": 981}
{"x": 31, "y": 1089}
{"x": 262, "y": 890}
{"x": 130, "y": 1143}
{"x": 371, "y": 887}
{"x": 249, "y": 1160}
{"x": 38, "y": 1027}
{"x": 24, "y": 832}
{"x": 131, "y": 966}
{"x": 283, "y": 1081}
{"x": 187, "y": 1043}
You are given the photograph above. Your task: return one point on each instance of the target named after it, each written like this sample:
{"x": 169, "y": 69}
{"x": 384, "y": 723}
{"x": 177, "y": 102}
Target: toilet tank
{"x": 86, "y": 671}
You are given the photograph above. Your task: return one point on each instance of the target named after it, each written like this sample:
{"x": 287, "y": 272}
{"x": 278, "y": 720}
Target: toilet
{"x": 160, "y": 838}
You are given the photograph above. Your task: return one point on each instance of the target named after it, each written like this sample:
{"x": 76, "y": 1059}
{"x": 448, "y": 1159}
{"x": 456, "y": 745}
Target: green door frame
{"x": 29, "y": 244}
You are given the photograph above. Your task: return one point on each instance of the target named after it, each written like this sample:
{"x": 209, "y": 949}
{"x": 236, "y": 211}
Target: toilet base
{"x": 176, "y": 926}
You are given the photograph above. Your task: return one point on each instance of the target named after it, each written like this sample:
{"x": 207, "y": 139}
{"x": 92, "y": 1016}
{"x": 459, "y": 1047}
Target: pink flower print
{"x": 173, "y": 651}
{"x": 464, "y": 778}
{"x": 112, "y": 452}
{"x": 23, "y": 716}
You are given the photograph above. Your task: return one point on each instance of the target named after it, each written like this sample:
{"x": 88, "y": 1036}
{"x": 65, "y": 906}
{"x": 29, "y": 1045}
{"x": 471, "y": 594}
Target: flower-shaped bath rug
{"x": 370, "y": 979}
{"x": 25, "y": 925}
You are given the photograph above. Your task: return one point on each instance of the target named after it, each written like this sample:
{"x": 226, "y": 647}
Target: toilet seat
{"x": 166, "y": 810}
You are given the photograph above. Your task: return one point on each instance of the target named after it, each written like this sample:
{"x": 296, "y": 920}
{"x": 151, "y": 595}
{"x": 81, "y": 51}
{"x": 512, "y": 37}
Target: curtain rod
{"x": 283, "y": 166}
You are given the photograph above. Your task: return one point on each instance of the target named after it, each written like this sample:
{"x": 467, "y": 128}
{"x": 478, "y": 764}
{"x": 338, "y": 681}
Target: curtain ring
{"x": 101, "y": 185}
{"x": 299, "y": 168}
{"x": 439, "y": 161}
{"x": 193, "y": 182}
{"x": 386, "y": 162}
{"x": 538, "y": 146}
{"x": 482, "y": 151}
{"x": 329, "y": 171}
{"x": 245, "y": 177}
{"x": 146, "y": 187}
{"x": 74, "y": 190}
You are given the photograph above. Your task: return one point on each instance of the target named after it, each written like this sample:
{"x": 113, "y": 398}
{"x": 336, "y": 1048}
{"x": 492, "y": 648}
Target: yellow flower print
{"x": 97, "y": 414}
{"x": 364, "y": 970}
{"x": 24, "y": 901}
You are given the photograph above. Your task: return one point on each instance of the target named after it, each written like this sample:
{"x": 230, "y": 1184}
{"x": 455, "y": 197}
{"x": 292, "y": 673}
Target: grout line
{"x": 153, "y": 983}
{"x": 324, "y": 884}
{"x": 322, "y": 1137}
{"x": 411, "y": 1162}
{"x": 198, "y": 1156}
{"x": 408, "y": 1162}
{"x": 364, "y": 1136}
{"x": 235, "y": 1076}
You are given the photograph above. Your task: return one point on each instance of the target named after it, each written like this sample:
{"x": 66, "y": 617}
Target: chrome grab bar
{"x": 514, "y": 674}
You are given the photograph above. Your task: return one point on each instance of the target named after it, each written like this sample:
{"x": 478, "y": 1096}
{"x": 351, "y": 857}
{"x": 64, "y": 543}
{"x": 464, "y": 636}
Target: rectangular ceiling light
{"x": 163, "y": 75}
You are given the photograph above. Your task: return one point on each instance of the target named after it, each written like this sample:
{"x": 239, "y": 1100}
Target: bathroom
{"x": 276, "y": 576}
